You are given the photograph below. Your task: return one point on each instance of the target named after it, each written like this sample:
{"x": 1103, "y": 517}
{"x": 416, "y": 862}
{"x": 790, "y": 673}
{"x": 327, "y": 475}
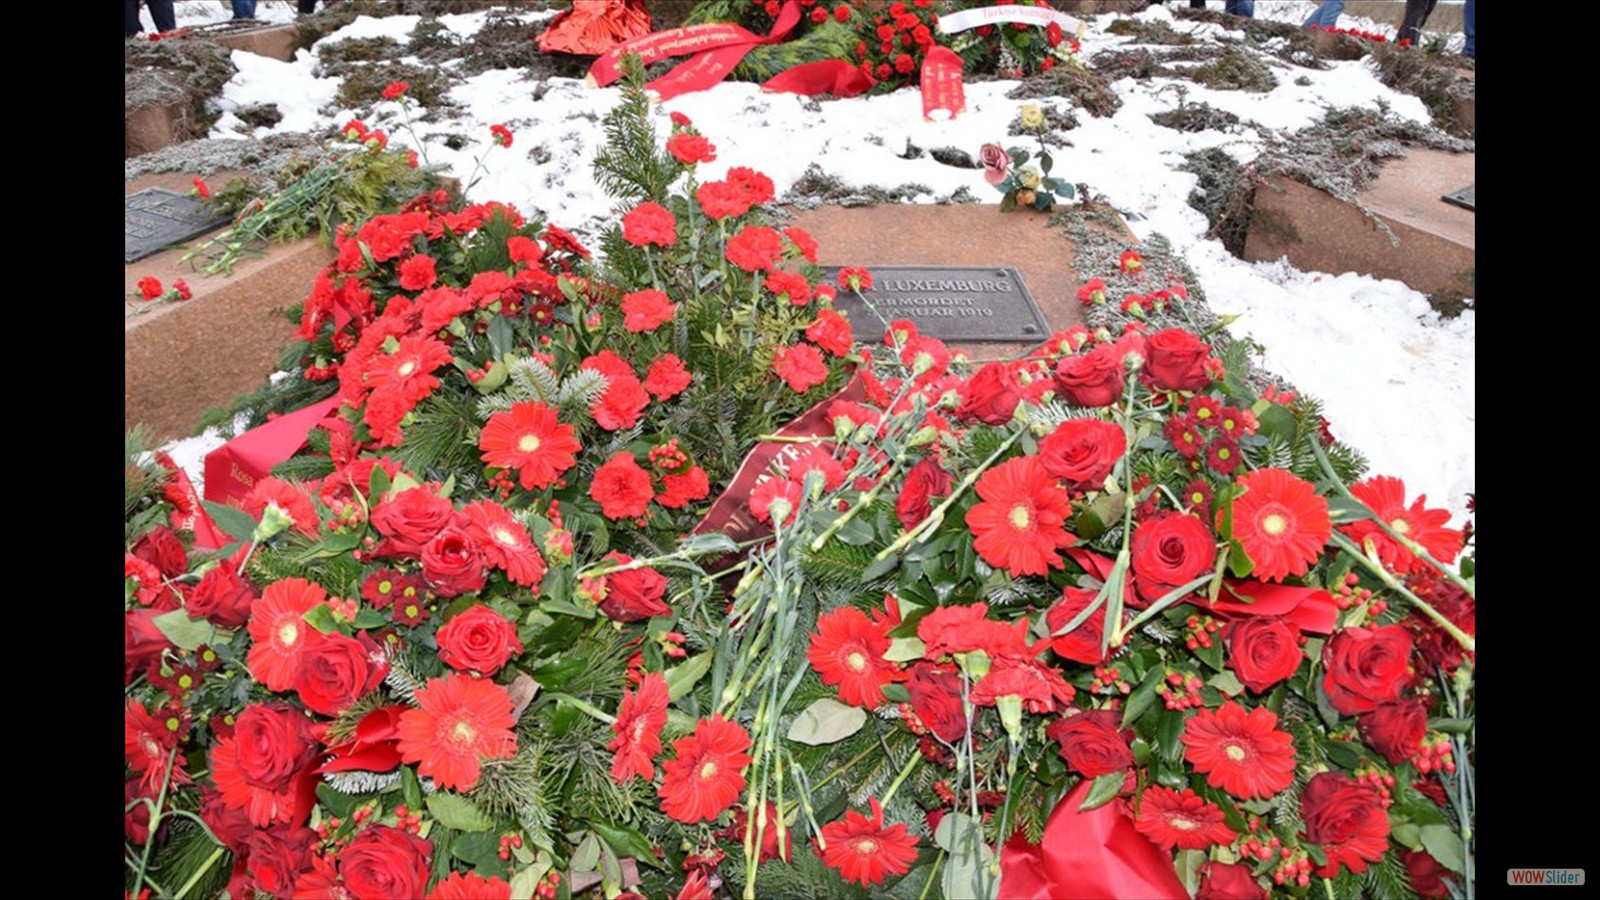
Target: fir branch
{"x": 358, "y": 783}
{"x": 443, "y": 435}
{"x": 629, "y": 167}
{"x": 401, "y": 682}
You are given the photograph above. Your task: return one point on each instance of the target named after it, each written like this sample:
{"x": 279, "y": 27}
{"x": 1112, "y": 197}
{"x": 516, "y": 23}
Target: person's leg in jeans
{"x": 130, "y": 18}
{"x": 1470, "y": 50}
{"x": 1326, "y": 15}
{"x": 1245, "y": 8}
{"x": 244, "y": 9}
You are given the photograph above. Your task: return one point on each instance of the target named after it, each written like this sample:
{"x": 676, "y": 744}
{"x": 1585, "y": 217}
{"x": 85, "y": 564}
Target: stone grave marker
{"x": 1466, "y": 198}
{"x": 155, "y": 218}
{"x": 951, "y": 303}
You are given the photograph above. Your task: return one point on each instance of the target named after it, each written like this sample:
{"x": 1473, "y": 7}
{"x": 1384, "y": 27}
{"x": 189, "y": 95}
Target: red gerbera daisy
{"x": 705, "y": 778}
{"x": 149, "y": 743}
{"x": 1281, "y": 522}
{"x": 862, "y": 850}
{"x": 847, "y": 651}
{"x": 640, "y": 718}
{"x": 1184, "y": 820}
{"x": 407, "y": 373}
{"x": 505, "y": 542}
{"x": 1022, "y": 520}
{"x": 528, "y": 438}
{"x": 279, "y": 633}
{"x": 459, "y": 720}
{"x": 1386, "y": 497}
{"x": 1240, "y": 752}
{"x": 470, "y": 886}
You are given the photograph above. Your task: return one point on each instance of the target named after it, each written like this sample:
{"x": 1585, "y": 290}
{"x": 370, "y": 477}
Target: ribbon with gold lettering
{"x": 234, "y": 468}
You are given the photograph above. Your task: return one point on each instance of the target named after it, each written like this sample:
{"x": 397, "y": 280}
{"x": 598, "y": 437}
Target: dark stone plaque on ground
{"x": 1466, "y": 198}
{"x": 155, "y": 218}
{"x": 951, "y": 303}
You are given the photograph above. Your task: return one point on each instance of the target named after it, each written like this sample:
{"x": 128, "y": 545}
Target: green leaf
{"x": 1227, "y": 682}
{"x": 183, "y": 631}
{"x": 378, "y": 484}
{"x": 1450, "y": 726}
{"x": 826, "y": 721}
{"x": 556, "y": 673}
{"x": 856, "y": 533}
{"x": 1067, "y": 191}
{"x": 567, "y": 608}
{"x": 410, "y": 790}
{"x": 610, "y": 867}
{"x": 235, "y": 521}
{"x": 905, "y": 649}
{"x": 525, "y": 881}
{"x": 333, "y": 544}
{"x": 1103, "y": 791}
{"x": 1407, "y": 834}
{"x": 320, "y": 617}
{"x": 457, "y": 812}
{"x": 682, "y": 677}
{"x": 1046, "y": 162}
{"x": 627, "y": 842}
{"x": 880, "y": 567}
{"x": 336, "y": 802}
{"x": 1019, "y": 156}
{"x": 1188, "y": 864}
{"x": 1239, "y": 562}
{"x": 501, "y": 340}
{"x": 586, "y": 858}
{"x": 1276, "y": 421}
{"x": 1143, "y": 697}
{"x": 367, "y": 617}
{"x": 967, "y": 872}
{"x": 477, "y": 849}
{"x": 1444, "y": 845}
{"x": 1342, "y": 754}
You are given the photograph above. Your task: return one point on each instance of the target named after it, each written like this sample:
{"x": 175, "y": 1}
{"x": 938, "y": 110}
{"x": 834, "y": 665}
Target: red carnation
{"x": 646, "y": 310}
{"x": 689, "y": 148}
{"x": 756, "y": 248}
{"x": 501, "y": 135}
{"x": 621, "y": 487}
{"x": 667, "y": 377}
{"x": 800, "y": 366}
{"x": 831, "y": 332}
{"x": 650, "y": 223}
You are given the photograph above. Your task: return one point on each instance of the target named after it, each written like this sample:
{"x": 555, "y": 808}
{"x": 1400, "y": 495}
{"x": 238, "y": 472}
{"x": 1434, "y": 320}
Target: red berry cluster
{"x": 1349, "y": 595}
{"x": 1380, "y": 782}
{"x": 1198, "y": 631}
{"x": 507, "y": 842}
{"x": 547, "y": 888}
{"x": 1293, "y": 865}
{"x": 672, "y": 644}
{"x": 1435, "y": 755}
{"x": 1108, "y": 680}
{"x": 1182, "y": 690}
{"x": 406, "y": 820}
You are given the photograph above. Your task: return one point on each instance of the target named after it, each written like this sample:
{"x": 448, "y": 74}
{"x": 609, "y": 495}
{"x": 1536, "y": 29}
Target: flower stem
{"x": 937, "y": 515}
{"x": 583, "y": 707}
{"x": 205, "y": 867}
{"x": 1465, "y": 640}
{"x": 905, "y": 772}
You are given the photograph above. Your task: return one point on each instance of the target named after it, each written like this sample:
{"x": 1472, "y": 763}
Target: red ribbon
{"x": 718, "y": 47}
{"x": 206, "y": 534}
{"x": 235, "y": 467}
{"x": 826, "y": 76}
{"x": 1088, "y": 855}
{"x": 595, "y": 26}
{"x": 941, "y": 83}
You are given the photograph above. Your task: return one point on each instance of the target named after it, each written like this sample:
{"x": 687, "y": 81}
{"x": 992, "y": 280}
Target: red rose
{"x": 1081, "y": 644}
{"x": 926, "y": 480}
{"x": 1175, "y": 360}
{"x": 1366, "y": 667}
{"x": 276, "y": 857}
{"x": 142, "y": 642}
{"x": 222, "y": 596}
{"x": 1228, "y": 881}
{"x": 385, "y": 863}
{"x": 453, "y": 563}
{"x": 991, "y": 395}
{"x": 1082, "y": 452}
{"x": 1346, "y": 817}
{"x": 936, "y": 699}
{"x": 478, "y": 639}
{"x": 273, "y": 743}
{"x": 1091, "y": 379}
{"x": 337, "y": 671}
{"x": 1170, "y": 551}
{"x": 634, "y": 595}
{"x": 1092, "y": 744}
{"x": 410, "y": 519}
{"x": 162, "y": 549}
{"x": 1262, "y": 650}
{"x": 1396, "y": 729}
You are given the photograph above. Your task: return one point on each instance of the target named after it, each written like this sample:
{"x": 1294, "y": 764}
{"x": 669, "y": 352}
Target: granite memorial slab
{"x": 155, "y": 218}
{"x": 951, "y": 303}
{"x": 1466, "y": 198}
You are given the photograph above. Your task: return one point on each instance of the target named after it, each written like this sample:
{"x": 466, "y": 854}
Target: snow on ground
{"x": 1397, "y": 380}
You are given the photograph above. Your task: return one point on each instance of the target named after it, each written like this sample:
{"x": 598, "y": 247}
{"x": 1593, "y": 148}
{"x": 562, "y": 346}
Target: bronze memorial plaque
{"x": 951, "y": 303}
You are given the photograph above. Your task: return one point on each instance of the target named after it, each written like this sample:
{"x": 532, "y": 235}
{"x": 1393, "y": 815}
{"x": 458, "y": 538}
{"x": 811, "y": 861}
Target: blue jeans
{"x": 1326, "y": 15}
{"x": 1246, "y": 8}
{"x": 1466, "y": 18}
{"x": 244, "y": 9}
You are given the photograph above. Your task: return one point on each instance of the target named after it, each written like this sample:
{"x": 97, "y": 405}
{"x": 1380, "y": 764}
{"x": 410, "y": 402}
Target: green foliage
{"x": 829, "y": 40}
{"x": 631, "y": 167}
{"x": 443, "y": 435}
{"x": 142, "y": 481}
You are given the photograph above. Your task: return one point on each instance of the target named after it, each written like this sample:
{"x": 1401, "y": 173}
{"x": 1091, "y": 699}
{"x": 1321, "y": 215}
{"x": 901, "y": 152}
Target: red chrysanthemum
{"x": 705, "y": 778}
{"x": 847, "y": 651}
{"x": 640, "y": 718}
{"x": 1240, "y": 751}
{"x": 1184, "y": 820}
{"x": 862, "y": 850}
{"x": 1386, "y": 497}
{"x": 459, "y": 720}
{"x": 528, "y": 438}
{"x": 1021, "y": 522}
{"x": 755, "y": 249}
{"x": 650, "y": 223}
{"x": 800, "y": 366}
{"x": 621, "y": 487}
{"x": 470, "y": 886}
{"x": 504, "y": 541}
{"x": 279, "y": 633}
{"x": 1282, "y": 523}
{"x": 646, "y": 310}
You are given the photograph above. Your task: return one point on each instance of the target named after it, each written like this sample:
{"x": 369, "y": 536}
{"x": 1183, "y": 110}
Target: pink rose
{"x": 996, "y": 163}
